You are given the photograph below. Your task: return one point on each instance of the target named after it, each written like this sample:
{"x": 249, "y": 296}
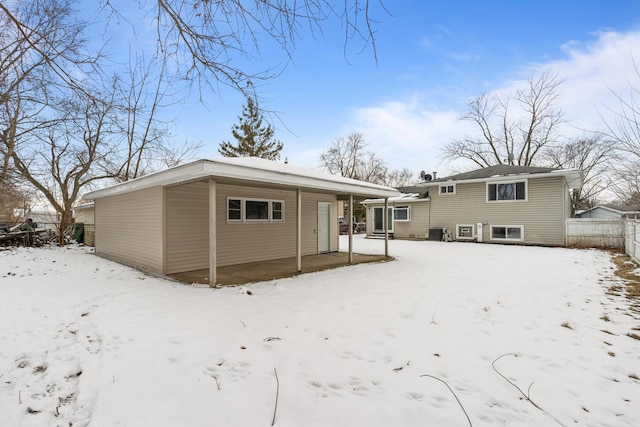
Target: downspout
{"x": 350, "y": 228}
{"x": 385, "y": 220}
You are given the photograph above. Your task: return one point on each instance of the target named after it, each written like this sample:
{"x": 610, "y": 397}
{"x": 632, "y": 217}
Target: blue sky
{"x": 433, "y": 57}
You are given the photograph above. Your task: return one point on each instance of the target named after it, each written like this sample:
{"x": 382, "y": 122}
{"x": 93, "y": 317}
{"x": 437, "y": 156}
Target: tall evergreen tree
{"x": 253, "y": 139}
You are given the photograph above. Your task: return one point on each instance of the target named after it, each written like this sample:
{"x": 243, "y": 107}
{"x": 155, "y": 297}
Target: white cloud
{"x": 410, "y": 132}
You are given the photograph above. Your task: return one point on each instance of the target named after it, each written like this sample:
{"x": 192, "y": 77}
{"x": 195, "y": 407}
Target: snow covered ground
{"x": 85, "y": 341}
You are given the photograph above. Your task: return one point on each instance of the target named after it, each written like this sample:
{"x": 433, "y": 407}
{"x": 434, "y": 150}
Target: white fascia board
{"x": 573, "y": 176}
{"x": 280, "y": 176}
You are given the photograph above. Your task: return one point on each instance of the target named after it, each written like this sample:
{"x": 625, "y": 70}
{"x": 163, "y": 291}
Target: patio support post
{"x": 213, "y": 262}
{"x": 299, "y": 229}
{"x": 350, "y": 228}
{"x": 386, "y": 226}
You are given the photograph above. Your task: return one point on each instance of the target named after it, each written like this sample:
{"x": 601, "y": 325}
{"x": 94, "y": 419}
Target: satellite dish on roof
{"x": 425, "y": 176}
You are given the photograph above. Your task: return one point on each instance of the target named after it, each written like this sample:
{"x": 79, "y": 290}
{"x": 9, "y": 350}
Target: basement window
{"x": 513, "y": 233}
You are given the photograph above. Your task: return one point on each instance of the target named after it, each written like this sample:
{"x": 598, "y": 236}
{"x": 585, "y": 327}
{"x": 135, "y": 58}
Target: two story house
{"x": 497, "y": 204}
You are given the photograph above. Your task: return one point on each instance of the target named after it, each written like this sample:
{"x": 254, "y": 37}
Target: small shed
{"x": 85, "y": 214}
{"x": 220, "y": 212}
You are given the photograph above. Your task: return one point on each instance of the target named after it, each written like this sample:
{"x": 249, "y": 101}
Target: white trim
{"x": 506, "y": 239}
{"x": 460, "y": 237}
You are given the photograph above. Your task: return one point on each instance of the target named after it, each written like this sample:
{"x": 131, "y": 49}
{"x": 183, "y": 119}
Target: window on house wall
{"x": 464, "y": 231}
{"x": 254, "y": 210}
{"x": 507, "y": 191}
{"x": 234, "y": 209}
{"x": 507, "y": 232}
{"x": 448, "y": 189}
{"x": 402, "y": 213}
{"x": 276, "y": 211}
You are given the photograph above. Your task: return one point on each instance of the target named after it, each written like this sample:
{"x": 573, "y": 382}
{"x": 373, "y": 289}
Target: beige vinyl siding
{"x": 241, "y": 242}
{"x": 187, "y": 224}
{"x": 129, "y": 228}
{"x": 542, "y": 215}
{"x": 418, "y": 227}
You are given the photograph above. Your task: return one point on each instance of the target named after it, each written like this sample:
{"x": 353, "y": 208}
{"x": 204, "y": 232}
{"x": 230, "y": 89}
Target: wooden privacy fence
{"x": 632, "y": 239}
{"x": 596, "y": 233}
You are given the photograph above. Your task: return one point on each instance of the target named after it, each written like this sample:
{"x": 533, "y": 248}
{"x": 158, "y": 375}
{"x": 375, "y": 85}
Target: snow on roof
{"x": 492, "y": 173}
{"x": 404, "y": 198}
{"x": 250, "y": 170}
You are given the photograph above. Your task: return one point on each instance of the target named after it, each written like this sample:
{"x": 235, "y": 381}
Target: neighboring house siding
{"x": 542, "y": 215}
{"x": 187, "y": 225}
{"x": 86, "y": 216}
{"x": 129, "y": 228}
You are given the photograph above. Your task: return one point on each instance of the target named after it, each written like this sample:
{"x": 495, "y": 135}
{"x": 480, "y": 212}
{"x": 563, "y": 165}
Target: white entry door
{"x": 324, "y": 227}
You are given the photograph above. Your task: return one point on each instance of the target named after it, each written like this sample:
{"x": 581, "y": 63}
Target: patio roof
{"x": 251, "y": 171}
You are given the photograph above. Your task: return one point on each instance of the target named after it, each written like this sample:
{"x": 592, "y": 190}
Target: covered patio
{"x": 241, "y": 274}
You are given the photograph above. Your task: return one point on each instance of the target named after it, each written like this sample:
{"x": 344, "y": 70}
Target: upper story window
{"x": 254, "y": 210}
{"x": 507, "y": 191}
{"x": 402, "y": 213}
{"x": 448, "y": 189}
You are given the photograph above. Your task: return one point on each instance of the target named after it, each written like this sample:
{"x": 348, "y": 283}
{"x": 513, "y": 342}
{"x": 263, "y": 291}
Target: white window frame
{"x": 507, "y": 238}
{"x": 446, "y": 187}
{"x": 514, "y": 182}
{"x": 402, "y": 208}
{"x": 243, "y": 210}
{"x": 461, "y": 237}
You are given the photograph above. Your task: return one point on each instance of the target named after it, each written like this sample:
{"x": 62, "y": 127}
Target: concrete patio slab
{"x": 276, "y": 269}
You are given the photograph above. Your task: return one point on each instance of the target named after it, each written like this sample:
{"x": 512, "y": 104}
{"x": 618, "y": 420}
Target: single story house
{"x": 610, "y": 212}
{"x": 497, "y": 204}
{"x": 227, "y": 211}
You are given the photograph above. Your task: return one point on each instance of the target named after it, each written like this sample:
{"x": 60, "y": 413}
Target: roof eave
{"x": 209, "y": 168}
{"x": 573, "y": 177}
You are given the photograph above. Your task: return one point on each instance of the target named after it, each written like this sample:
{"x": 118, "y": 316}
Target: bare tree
{"x": 205, "y": 39}
{"x": 593, "y": 155}
{"x": 399, "y": 178}
{"x": 624, "y": 130}
{"x": 348, "y": 157}
{"x": 508, "y": 134}
{"x": 141, "y": 145}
